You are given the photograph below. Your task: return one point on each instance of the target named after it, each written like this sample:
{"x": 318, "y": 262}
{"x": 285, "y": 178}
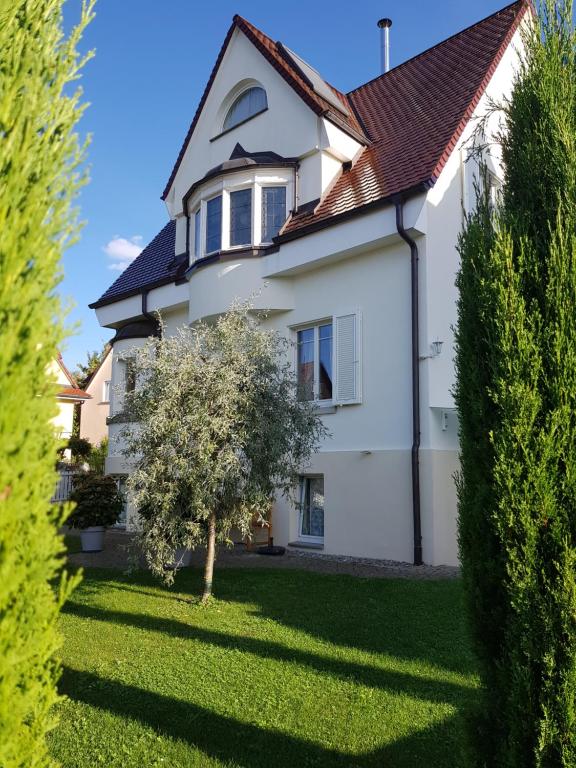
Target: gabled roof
{"x": 412, "y": 118}
{"x": 73, "y": 393}
{"x": 107, "y": 351}
{"x": 155, "y": 266}
{"x": 414, "y": 115}
{"x": 321, "y": 97}
{"x": 65, "y": 371}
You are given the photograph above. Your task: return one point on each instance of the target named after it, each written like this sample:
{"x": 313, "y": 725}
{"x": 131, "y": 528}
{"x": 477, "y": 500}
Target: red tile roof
{"x": 409, "y": 118}
{"x": 276, "y": 54}
{"x": 73, "y": 393}
{"x": 414, "y": 115}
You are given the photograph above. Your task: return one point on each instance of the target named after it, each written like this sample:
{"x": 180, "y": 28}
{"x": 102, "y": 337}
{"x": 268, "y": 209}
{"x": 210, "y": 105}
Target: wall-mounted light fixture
{"x": 436, "y": 347}
{"x": 435, "y": 350}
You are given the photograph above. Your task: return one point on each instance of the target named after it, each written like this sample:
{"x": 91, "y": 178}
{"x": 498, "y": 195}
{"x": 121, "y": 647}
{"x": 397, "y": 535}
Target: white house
{"x": 341, "y": 212}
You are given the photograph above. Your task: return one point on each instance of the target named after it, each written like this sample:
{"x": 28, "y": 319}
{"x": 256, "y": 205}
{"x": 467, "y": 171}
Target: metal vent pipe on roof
{"x": 384, "y": 26}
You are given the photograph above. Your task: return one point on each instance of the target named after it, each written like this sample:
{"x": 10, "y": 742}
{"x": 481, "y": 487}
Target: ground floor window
{"x": 312, "y": 507}
{"x": 121, "y": 485}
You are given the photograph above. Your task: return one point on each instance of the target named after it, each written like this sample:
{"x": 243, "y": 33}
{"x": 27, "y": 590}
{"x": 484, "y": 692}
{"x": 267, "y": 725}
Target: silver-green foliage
{"x": 39, "y": 157}
{"x": 516, "y": 394}
{"x": 219, "y": 431}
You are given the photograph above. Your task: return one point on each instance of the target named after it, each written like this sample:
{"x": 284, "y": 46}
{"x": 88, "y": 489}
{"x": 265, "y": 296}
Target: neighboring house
{"x": 340, "y": 213}
{"x": 95, "y": 412}
{"x": 69, "y": 396}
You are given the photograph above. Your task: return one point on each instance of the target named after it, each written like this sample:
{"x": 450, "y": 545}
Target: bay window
{"x": 197, "y": 246}
{"x": 214, "y": 224}
{"x": 241, "y": 217}
{"x": 273, "y": 211}
{"x": 241, "y": 210}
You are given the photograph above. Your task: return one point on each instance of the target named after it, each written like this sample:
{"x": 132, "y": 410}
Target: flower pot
{"x": 92, "y": 538}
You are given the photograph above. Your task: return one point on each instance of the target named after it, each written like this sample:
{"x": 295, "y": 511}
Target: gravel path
{"x": 115, "y": 556}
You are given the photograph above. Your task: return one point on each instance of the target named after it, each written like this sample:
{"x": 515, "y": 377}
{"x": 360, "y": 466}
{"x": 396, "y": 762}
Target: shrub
{"x": 516, "y": 395}
{"x": 98, "y": 501}
{"x": 80, "y": 448}
{"x": 97, "y": 458}
{"x": 39, "y": 156}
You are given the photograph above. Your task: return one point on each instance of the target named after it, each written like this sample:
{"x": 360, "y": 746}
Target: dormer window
{"x": 248, "y": 104}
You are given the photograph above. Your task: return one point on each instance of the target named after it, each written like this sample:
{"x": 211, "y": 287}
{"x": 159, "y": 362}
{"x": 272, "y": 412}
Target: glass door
{"x": 312, "y": 508}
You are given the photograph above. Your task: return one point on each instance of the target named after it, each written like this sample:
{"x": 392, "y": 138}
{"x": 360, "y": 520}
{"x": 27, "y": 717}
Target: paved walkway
{"x": 115, "y": 556}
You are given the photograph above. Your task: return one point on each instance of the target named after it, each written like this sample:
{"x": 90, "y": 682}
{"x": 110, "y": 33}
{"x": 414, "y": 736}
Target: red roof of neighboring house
{"x": 414, "y": 115}
{"x": 74, "y": 393}
{"x": 65, "y": 371}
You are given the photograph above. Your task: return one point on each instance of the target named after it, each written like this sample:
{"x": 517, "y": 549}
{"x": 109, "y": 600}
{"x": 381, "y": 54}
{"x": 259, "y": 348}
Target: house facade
{"x": 68, "y": 395}
{"x": 339, "y": 214}
{"x": 95, "y": 412}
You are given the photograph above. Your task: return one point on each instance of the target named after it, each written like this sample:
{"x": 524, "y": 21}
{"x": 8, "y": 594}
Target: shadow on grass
{"x": 242, "y": 744}
{"x": 412, "y": 620}
{"x": 426, "y": 689}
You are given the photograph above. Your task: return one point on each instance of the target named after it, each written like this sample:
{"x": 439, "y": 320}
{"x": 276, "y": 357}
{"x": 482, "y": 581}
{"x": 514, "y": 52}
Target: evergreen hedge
{"x": 516, "y": 395}
{"x": 39, "y": 155}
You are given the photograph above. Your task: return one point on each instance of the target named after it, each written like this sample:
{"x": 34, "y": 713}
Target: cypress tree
{"x": 39, "y": 157}
{"x": 516, "y": 394}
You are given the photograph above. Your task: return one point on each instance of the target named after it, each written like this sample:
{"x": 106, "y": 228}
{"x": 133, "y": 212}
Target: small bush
{"x": 98, "y": 502}
{"x": 80, "y": 448}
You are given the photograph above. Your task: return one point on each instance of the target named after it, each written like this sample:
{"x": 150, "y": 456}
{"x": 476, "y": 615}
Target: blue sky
{"x": 152, "y": 61}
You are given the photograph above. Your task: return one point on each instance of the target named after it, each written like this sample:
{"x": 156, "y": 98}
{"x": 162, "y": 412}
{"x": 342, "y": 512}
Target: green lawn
{"x": 284, "y": 670}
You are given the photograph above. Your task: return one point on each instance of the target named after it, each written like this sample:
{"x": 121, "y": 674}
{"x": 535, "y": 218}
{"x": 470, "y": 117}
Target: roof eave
{"x": 330, "y": 221}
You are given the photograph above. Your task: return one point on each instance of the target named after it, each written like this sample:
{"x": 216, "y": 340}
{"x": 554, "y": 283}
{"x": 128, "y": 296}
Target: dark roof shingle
{"x": 156, "y": 265}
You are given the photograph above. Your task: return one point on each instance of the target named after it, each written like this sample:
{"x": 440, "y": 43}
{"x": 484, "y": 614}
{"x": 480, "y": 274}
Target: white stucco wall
{"x": 288, "y": 127}
{"x": 360, "y": 265}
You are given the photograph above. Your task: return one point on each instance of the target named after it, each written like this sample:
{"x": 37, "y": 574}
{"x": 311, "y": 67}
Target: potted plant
{"x": 98, "y": 505}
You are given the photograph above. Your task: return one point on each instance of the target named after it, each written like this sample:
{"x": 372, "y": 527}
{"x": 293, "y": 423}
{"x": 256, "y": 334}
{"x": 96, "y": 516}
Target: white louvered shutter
{"x": 348, "y": 350}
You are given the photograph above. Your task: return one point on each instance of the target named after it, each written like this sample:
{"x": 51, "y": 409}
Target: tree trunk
{"x": 210, "y": 554}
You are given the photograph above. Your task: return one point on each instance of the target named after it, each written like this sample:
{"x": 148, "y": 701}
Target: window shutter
{"x": 348, "y": 358}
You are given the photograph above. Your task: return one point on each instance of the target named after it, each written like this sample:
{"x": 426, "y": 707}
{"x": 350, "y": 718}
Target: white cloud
{"x": 123, "y": 251}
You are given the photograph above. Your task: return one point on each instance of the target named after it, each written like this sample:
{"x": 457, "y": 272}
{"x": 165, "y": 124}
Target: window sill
{"x": 237, "y": 125}
{"x": 300, "y": 544}
{"x": 324, "y": 410}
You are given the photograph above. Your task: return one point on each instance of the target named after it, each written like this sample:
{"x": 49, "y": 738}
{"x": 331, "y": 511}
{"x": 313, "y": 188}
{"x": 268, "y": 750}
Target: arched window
{"x": 249, "y": 103}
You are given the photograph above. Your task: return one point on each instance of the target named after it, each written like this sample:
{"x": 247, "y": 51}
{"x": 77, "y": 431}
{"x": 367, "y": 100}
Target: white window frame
{"x": 261, "y": 187}
{"x": 315, "y": 326}
{"x": 337, "y": 399}
{"x": 204, "y": 216}
{"x": 106, "y": 385}
{"x": 303, "y": 479}
{"x": 224, "y": 186}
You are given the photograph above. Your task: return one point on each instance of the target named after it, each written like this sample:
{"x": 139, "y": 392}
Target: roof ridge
{"x": 519, "y": 3}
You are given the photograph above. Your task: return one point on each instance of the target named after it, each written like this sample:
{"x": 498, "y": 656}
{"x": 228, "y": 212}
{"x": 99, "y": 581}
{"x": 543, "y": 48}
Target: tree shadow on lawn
{"x": 423, "y": 688}
{"x": 246, "y": 745}
{"x": 410, "y": 619}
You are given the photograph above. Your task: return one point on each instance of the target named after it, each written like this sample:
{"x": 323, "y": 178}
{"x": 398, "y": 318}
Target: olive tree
{"x": 217, "y": 430}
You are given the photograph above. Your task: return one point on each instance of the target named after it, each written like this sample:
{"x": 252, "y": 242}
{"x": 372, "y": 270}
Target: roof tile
{"x": 414, "y": 115}
{"x": 154, "y": 266}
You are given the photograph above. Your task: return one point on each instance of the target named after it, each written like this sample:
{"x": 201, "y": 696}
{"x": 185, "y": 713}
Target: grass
{"x": 285, "y": 669}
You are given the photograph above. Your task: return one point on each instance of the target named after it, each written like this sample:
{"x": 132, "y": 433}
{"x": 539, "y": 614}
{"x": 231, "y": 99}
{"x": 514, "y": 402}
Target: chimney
{"x": 384, "y": 25}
